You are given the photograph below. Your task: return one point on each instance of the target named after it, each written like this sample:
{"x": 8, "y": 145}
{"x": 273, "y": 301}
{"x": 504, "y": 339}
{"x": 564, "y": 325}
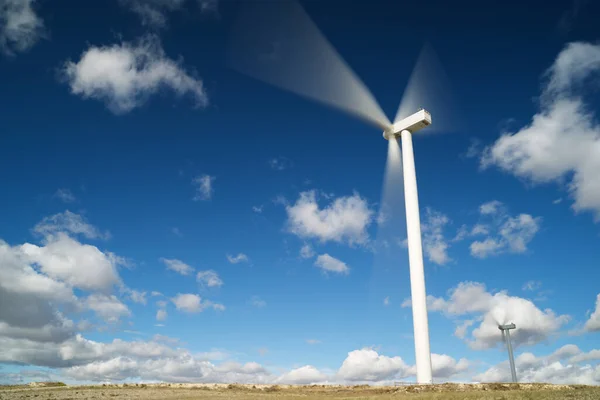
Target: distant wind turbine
{"x": 506, "y": 339}
{"x": 278, "y": 43}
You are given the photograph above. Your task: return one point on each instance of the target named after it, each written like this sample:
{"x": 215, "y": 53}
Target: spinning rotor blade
{"x": 429, "y": 88}
{"x": 278, "y": 43}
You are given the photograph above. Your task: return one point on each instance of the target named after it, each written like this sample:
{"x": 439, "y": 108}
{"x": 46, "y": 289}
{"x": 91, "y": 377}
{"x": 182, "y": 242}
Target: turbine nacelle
{"x": 413, "y": 123}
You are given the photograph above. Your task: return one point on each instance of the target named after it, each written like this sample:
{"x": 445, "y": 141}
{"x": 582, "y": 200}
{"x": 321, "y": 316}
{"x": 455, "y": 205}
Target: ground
{"x": 493, "y": 391}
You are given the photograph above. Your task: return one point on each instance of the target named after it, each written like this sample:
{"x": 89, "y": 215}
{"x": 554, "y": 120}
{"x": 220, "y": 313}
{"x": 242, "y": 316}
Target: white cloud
{"x": 280, "y": 163}
{"x": 177, "y": 265}
{"x": 307, "y": 251}
{"x": 176, "y": 231}
{"x": 19, "y": 277}
{"x": 241, "y": 257}
{"x": 485, "y": 248}
{"x": 20, "y": 26}
{"x": 344, "y": 220}
{"x": 504, "y": 233}
{"x": 188, "y": 302}
{"x": 386, "y": 301}
{"x": 209, "y": 278}
{"x": 532, "y": 286}
{"x": 564, "y": 366}
{"x": 161, "y": 315}
{"x": 256, "y": 301}
{"x": 125, "y": 75}
{"x": 204, "y": 187}
{"x": 80, "y": 265}
{"x": 153, "y": 13}
{"x": 445, "y": 366}
{"x": 461, "y": 330}
{"x": 65, "y": 195}
{"x": 313, "y": 341}
{"x": 303, "y": 376}
{"x": 331, "y": 264}
{"x": 593, "y": 324}
{"x": 562, "y": 142}
{"x": 471, "y": 298}
{"x": 107, "y": 307}
{"x": 71, "y": 223}
{"x": 491, "y": 207}
{"x": 368, "y": 365}
{"x": 257, "y": 209}
{"x": 136, "y": 296}
{"x": 192, "y": 303}
{"x": 435, "y": 245}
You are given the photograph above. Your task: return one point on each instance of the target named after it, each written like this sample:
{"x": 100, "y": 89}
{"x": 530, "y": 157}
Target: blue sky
{"x": 167, "y": 218}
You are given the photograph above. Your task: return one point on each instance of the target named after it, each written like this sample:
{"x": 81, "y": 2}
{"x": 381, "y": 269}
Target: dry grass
{"x": 494, "y": 391}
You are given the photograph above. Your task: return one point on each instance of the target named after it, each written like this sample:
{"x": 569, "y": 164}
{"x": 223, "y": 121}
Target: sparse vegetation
{"x": 176, "y": 391}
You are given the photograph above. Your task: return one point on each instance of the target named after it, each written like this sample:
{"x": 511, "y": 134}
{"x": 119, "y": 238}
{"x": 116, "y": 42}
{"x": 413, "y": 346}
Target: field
{"x": 315, "y": 392}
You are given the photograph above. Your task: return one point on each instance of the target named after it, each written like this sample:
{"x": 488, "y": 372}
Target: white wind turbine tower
{"x": 278, "y": 43}
{"x": 506, "y": 338}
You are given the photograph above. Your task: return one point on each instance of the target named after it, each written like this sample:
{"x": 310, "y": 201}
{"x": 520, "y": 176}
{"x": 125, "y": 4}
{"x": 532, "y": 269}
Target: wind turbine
{"x": 277, "y": 42}
{"x": 506, "y": 337}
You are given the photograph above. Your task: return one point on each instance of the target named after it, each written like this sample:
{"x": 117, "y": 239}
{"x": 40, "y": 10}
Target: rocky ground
{"x": 314, "y": 392}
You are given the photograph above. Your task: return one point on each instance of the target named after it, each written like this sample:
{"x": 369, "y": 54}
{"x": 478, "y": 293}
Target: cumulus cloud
{"x": 567, "y": 365}
{"x": 502, "y": 232}
{"x": 241, "y": 257}
{"x": 444, "y": 366}
{"x": 435, "y": 245}
{"x": 38, "y": 286}
{"x": 209, "y": 278}
{"x": 562, "y": 142}
{"x": 344, "y": 220}
{"x": 204, "y": 187}
{"x": 110, "y": 308}
{"x": 192, "y": 303}
{"x": 328, "y": 263}
{"x": 491, "y": 309}
{"x": 593, "y": 324}
{"x": 123, "y": 76}
{"x": 368, "y": 365}
{"x": 71, "y": 223}
{"x": 177, "y": 265}
{"x": 20, "y": 26}
{"x": 306, "y": 375}
{"x": 80, "y": 265}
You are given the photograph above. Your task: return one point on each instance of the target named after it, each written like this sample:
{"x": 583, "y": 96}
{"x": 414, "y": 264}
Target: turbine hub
{"x": 412, "y": 123}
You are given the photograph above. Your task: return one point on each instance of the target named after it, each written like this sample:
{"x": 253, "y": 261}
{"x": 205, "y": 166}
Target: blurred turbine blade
{"x": 390, "y": 258}
{"x": 278, "y": 43}
{"x": 429, "y": 88}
